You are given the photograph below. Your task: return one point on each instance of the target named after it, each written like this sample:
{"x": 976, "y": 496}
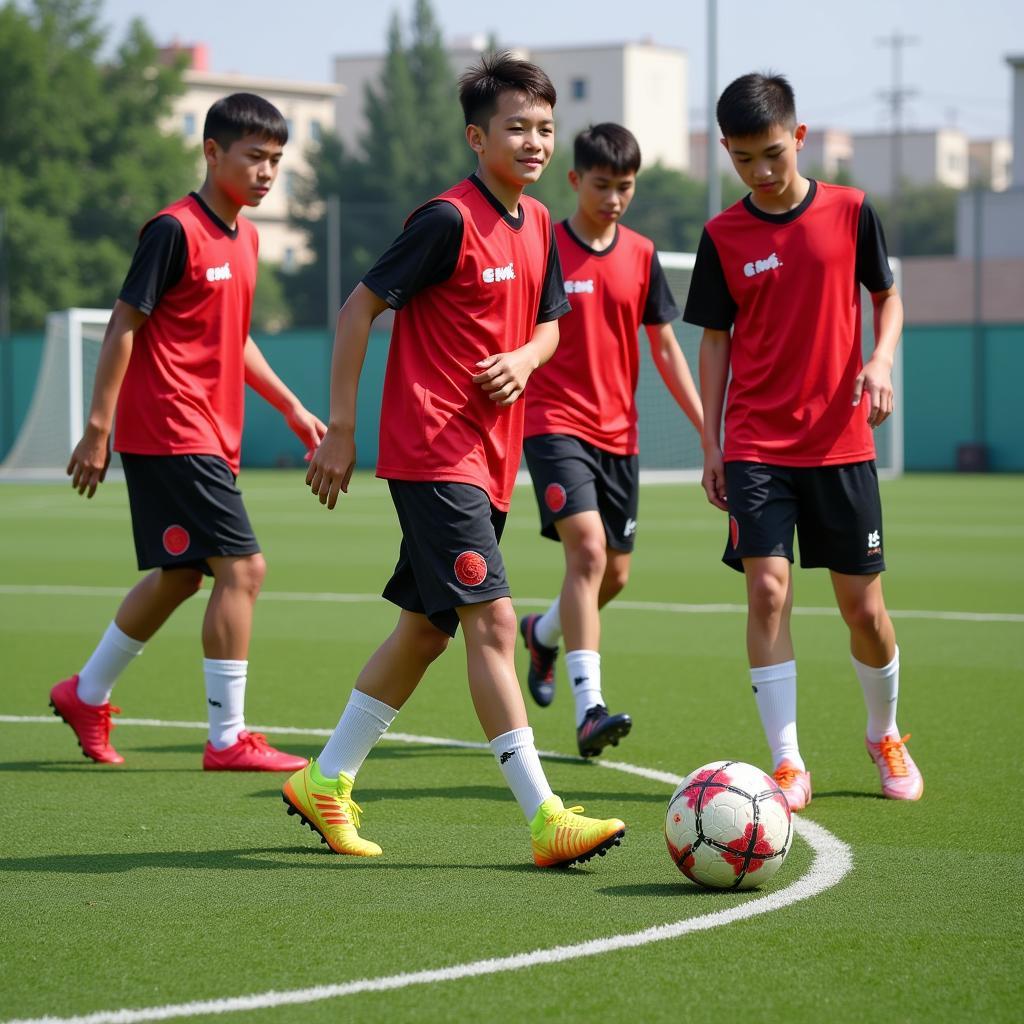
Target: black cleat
{"x": 599, "y": 729}
{"x": 541, "y": 676}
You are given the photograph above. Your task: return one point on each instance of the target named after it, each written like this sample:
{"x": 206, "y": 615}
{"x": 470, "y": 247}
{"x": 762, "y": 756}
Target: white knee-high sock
{"x": 548, "y": 628}
{"x": 519, "y": 763}
{"x": 362, "y": 723}
{"x": 225, "y": 699}
{"x": 114, "y": 653}
{"x": 584, "y": 669}
{"x": 881, "y": 688}
{"x": 775, "y": 693}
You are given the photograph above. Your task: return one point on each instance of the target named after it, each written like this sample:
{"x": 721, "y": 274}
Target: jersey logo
{"x": 492, "y": 275}
{"x": 176, "y": 540}
{"x": 554, "y": 497}
{"x": 219, "y": 273}
{"x": 572, "y": 287}
{"x": 630, "y": 528}
{"x": 756, "y": 267}
{"x": 471, "y": 568}
{"x": 874, "y": 542}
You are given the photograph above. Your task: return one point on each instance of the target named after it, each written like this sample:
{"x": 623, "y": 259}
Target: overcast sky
{"x": 829, "y": 49}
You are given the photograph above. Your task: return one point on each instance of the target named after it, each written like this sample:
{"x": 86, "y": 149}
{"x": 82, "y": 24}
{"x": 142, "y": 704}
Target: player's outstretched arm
{"x": 504, "y": 375}
{"x": 714, "y": 373}
{"x": 88, "y": 464}
{"x": 261, "y": 378}
{"x": 876, "y": 378}
{"x": 330, "y": 468}
{"x": 675, "y": 372}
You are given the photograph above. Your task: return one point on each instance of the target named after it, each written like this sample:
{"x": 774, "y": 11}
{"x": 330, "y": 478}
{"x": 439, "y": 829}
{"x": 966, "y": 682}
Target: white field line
{"x": 326, "y": 597}
{"x": 832, "y": 861}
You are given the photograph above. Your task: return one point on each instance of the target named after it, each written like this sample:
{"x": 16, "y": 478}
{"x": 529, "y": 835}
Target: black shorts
{"x": 836, "y": 510}
{"x": 185, "y": 509}
{"x": 571, "y": 475}
{"x": 449, "y": 555}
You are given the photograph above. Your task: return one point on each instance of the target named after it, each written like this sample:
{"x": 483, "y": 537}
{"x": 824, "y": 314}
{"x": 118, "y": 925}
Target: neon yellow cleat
{"x": 328, "y": 808}
{"x": 561, "y": 836}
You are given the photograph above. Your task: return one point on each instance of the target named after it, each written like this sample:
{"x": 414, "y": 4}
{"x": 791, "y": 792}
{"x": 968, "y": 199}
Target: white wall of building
{"x": 938, "y": 157}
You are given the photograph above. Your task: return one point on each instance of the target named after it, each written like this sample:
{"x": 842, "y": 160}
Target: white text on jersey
{"x": 219, "y": 273}
{"x": 493, "y": 274}
{"x": 760, "y": 266}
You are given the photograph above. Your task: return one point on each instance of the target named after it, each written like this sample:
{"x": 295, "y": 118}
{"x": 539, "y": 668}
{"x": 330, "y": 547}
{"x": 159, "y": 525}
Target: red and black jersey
{"x": 435, "y": 423}
{"x": 183, "y": 392}
{"x": 789, "y": 287}
{"x": 588, "y": 388}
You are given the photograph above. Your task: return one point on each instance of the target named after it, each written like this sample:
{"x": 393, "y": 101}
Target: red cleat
{"x": 91, "y": 724}
{"x": 251, "y": 753}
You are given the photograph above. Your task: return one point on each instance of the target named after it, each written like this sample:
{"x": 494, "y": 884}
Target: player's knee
{"x": 766, "y": 596}
{"x": 496, "y": 626}
{"x": 867, "y": 617}
{"x": 249, "y": 573}
{"x": 588, "y": 557}
{"x": 615, "y": 579}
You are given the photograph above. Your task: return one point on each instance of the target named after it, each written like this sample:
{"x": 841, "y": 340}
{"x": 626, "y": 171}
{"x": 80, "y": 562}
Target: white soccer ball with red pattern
{"x": 728, "y": 826}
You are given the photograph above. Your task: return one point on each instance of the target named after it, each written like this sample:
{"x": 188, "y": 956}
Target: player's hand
{"x": 713, "y": 479}
{"x": 331, "y": 465}
{"x": 306, "y": 427}
{"x": 875, "y": 380}
{"x": 88, "y": 464}
{"x": 504, "y": 375}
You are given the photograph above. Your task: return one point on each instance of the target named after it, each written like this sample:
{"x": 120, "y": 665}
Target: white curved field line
{"x": 832, "y": 861}
{"x": 326, "y": 597}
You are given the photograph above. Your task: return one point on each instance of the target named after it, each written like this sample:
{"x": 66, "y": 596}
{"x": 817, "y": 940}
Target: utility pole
{"x": 714, "y": 178}
{"x": 895, "y": 97}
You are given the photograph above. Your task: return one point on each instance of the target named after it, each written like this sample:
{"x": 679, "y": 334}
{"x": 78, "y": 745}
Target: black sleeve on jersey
{"x": 425, "y": 253}
{"x": 553, "y": 300}
{"x": 158, "y": 264}
{"x": 873, "y": 269}
{"x": 660, "y": 306}
{"x": 709, "y": 302}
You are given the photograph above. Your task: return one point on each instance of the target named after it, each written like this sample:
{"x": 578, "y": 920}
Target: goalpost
{"x": 56, "y": 416}
{"x": 669, "y": 447}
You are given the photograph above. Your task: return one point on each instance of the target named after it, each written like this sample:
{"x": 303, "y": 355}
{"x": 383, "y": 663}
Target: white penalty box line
{"x": 326, "y": 597}
{"x": 832, "y": 861}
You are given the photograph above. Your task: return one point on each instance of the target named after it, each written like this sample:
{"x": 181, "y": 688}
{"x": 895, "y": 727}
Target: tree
{"x": 927, "y": 220}
{"x": 413, "y": 148}
{"x": 84, "y": 159}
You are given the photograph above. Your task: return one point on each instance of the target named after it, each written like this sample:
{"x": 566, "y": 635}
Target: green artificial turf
{"x": 153, "y": 883}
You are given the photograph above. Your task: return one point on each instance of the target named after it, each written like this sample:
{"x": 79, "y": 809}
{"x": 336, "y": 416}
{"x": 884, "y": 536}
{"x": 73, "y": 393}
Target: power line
{"x": 895, "y": 96}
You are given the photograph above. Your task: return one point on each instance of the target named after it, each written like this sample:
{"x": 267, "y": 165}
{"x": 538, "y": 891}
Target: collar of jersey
{"x": 230, "y": 232}
{"x": 789, "y": 215}
{"x": 587, "y": 248}
{"x": 513, "y": 222}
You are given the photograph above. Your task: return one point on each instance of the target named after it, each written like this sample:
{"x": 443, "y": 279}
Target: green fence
{"x": 940, "y": 393}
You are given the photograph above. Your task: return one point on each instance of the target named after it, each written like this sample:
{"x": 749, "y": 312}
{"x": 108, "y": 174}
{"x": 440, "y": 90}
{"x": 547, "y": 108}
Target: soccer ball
{"x": 728, "y": 826}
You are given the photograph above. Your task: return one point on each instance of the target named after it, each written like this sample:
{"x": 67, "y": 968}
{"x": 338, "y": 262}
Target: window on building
{"x": 290, "y": 182}
{"x": 291, "y": 127}
{"x": 289, "y": 264}
{"x": 578, "y": 88}
{"x": 316, "y": 131}
{"x": 189, "y": 125}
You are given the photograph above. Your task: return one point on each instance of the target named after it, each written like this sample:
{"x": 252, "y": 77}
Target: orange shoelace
{"x": 893, "y": 751}
{"x": 785, "y": 775}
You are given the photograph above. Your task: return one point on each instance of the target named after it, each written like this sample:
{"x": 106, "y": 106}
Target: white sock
{"x": 584, "y": 668}
{"x": 225, "y": 699}
{"x": 548, "y": 628}
{"x": 362, "y": 723}
{"x": 775, "y": 693}
{"x": 114, "y": 653}
{"x": 519, "y": 763}
{"x": 881, "y": 687}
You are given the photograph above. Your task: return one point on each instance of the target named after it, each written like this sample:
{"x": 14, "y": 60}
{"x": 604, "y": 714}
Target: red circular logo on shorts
{"x": 176, "y": 540}
{"x": 471, "y": 568}
{"x": 554, "y": 497}
{"x": 734, "y": 531}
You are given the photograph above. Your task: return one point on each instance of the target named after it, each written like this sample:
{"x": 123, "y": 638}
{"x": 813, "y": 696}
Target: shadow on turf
{"x": 673, "y": 890}
{"x": 220, "y": 860}
{"x": 86, "y": 765}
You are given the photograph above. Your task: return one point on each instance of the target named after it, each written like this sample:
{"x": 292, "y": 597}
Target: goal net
{"x": 669, "y": 446}
{"x": 56, "y": 416}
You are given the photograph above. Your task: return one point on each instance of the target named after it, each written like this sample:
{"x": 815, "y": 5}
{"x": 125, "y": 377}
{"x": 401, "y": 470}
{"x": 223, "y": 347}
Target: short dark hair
{"x": 495, "y": 73}
{"x": 754, "y": 104}
{"x": 606, "y": 145}
{"x": 241, "y": 114}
